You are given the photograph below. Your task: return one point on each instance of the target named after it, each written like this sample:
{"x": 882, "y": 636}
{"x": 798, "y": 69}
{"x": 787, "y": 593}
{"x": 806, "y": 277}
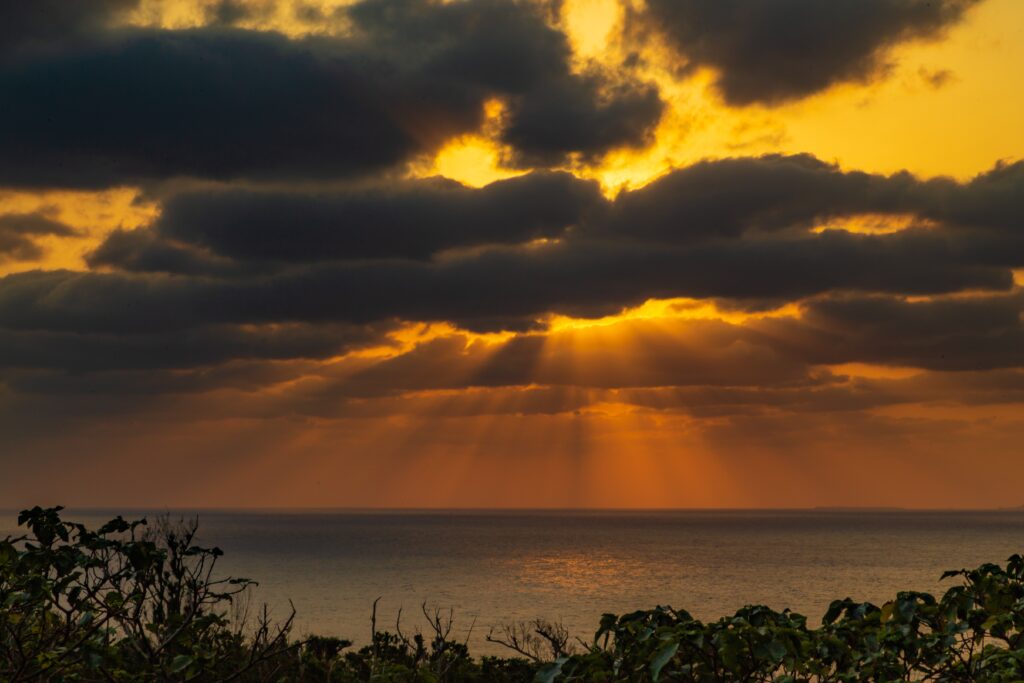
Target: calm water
{"x": 497, "y": 567}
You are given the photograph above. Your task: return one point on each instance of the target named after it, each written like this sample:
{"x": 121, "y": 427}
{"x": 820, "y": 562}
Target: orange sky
{"x": 674, "y": 401}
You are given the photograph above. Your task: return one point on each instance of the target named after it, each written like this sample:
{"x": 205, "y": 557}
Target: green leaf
{"x": 180, "y": 663}
{"x": 549, "y": 672}
{"x": 663, "y": 657}
{"x": 777, "y": 650}
{"x": 887, "y": 610}
{"x": 834, "y": 610}
{"x": 113, "y": 599}
{"x": 7, "y": 553}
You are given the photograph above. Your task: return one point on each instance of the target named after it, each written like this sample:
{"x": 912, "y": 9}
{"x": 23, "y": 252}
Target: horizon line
{"x": 514, "y": 509}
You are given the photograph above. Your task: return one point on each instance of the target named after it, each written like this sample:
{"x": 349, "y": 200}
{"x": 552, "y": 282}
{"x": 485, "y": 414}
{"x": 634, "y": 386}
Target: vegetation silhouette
{"x": 131, "y": 601}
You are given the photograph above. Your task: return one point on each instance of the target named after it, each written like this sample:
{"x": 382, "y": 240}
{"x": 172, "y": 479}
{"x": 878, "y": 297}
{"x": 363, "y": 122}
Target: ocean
{"x": 495, "y": 567}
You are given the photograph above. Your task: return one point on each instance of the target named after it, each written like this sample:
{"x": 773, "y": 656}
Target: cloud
{"x": 19, "y": 231}
{"x": 992, "y": 200}
{"x": 636, "y": 354}
{"x": 265, "y": 294}
{"x": 407, "y": 219}
{"x": 132, "y": 105}
{"x": 144, "y": 250}
{"x": 713, "y": 366}
{"x": 729, "y": 197}
{"x": 957, "y": 334}
{"x": 736, "y": 229}
{"x": 507, "y": 284}
{"x": 29, "y": 26}
{"x": 583, "y": 115}
{"x": 936, "y": 79}
{"x": 785, "y": 197}
{"x": 703, "y": 368}
{"x": 781, "y": 353}
{"x": 208, "y": 103}
{"x": 187, "y": 349}
{"x": 772, "y": 52}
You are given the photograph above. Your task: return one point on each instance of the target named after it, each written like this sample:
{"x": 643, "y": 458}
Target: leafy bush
{"x": 133, "y": 602}
{"x": 973, "y": 633}
{"x": 123, "y": 602}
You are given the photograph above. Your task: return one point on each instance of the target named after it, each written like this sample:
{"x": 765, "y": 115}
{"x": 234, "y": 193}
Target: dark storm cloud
{"x": 126, "y": 392}
{"x": 856, "y": 394}
{"x": 242, "y": 279}
{"x": 573, "y": 115}
{"x": 770, "y": 52}
{"x": 768, "y": 363}
{"x": 19, "y": 231}
{"x": 506, "y": 48}
{"x": 698, "y": 353}
{"x": 735, "y": 230}
{"x": 581, "y": 278}
{"x": 131, "y": 105}
{"x": 726, "y": 401}
{"x": 683, "y": 368}
{"x": 143, "y": 250}
{"x": 205, "y": 346}
{"x": 46, "y": 401}
{"x": 757, "y": 196}
{"x": 974, "y": 333}
{"x": 494, "y": 44}
{"x": 705, "y": 368}
{"x": 212, "y": 103}
{"x": 770, "y": 203}
{"x": 729, "y": 197}
{"x": 27, "y": 25}
{"x": 992, "y": 200}
{"x": 411, "y": 219}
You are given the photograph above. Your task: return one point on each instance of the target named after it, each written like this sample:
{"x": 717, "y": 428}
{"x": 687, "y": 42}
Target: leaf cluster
{"x": 125, "y": 602}
{"x": 972, "y": 633}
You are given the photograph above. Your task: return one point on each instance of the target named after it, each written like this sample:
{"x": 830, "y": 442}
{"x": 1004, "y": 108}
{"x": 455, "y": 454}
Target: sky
{"x": 489, "y": 253}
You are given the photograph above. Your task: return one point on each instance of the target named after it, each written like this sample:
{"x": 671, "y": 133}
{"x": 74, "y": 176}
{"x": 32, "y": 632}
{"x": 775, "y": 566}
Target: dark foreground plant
{"x": 132, "y": 602}
{"x": 123, "y": 602}
{"x": 973, "y": 633}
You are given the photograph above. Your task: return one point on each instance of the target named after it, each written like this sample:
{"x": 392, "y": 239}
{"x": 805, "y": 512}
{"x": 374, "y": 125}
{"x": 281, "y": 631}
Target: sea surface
{"x": 495, "y": 567}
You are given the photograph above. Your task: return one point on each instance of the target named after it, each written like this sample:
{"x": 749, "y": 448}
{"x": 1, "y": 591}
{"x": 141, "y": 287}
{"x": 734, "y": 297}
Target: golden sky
{"x": 379, "y": 259}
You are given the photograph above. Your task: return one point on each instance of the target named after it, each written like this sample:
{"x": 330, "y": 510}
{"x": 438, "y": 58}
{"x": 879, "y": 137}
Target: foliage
{"x": 973, "y": 633}
{"x": 134, "y": 602}
{"x": 123, "y": 602}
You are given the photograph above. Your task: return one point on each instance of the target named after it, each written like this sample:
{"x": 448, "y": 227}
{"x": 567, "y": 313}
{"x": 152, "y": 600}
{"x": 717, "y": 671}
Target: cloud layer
{"x": 274, "y": 273}
{"x": 299, "y": 274}
{"x": 132, "y": 105}
{"x": 771, "y": 52}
